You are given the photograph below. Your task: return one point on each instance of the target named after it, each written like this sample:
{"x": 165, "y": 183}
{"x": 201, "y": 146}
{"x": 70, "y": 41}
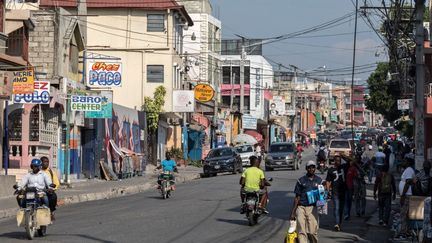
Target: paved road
{"x": 204, "y": 210}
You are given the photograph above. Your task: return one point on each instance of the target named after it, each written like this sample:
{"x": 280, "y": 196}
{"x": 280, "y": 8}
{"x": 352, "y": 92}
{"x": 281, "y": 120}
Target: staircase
{"x": 18, "y": 173}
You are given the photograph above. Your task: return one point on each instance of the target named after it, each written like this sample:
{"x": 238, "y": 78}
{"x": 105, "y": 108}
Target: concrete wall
{"x": 196, "y": 6}
{"x": 7, "y": 181}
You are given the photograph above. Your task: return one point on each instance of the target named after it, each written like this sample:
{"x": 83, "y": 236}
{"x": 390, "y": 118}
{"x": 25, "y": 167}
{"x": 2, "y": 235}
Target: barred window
{"x": 155, "y": 23}
{"x": 155, "y": 73}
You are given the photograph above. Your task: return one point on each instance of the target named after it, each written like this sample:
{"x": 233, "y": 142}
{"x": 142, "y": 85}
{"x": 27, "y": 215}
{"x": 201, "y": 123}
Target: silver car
{"x": 245, "y": 151}
{"x": 282, "y": 155}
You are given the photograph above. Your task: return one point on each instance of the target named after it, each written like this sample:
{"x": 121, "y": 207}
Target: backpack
{"x": 386, "y": 187}
{"x": 321, "y": 154}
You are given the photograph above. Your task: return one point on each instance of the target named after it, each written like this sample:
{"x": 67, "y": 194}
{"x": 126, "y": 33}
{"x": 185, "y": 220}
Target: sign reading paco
{"x": 86, "y": 103}
{"x": 203, "y": 92}
{"x": 40, "y": 95}
{"x": 104, "y": 74}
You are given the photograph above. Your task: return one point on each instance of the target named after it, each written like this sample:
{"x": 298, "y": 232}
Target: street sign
{"x": 403, "y": 104}
{"x": 23, "y": 82}
{"x": 40, "y": 95}
{"x": 203, "y": 92}
{"x": 249, "y": 122}
{"x": 104, "y": 74}
{"x": 86, "y": 103}
{"x": 277, "y": 106}
{"x": 183, "y": 101}
{"x": 107, "y": 106}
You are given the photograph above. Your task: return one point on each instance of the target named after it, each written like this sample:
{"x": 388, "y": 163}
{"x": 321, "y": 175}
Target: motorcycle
{"x": 33, "y": 215}
{"x": 252, "y": 209}
{"x": 166, "y": 184}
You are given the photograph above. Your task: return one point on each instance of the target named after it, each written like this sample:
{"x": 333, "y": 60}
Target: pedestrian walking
{"x": 336, "y": 182}
{"x": 378, "y": 160}
{"x": 367, "y": 162}
{"x": 386, "y": 188}
{"x": 304, "y": 211}
{"x": 352, "y": 173}
{"x": 360, "y": 192}
{"x": 405, "y": 193}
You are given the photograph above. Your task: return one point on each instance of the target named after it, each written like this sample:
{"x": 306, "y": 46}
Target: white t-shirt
{"x": 407, "y": 174}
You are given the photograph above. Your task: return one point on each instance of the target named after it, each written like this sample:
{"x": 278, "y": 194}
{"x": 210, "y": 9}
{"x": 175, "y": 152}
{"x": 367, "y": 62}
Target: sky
{"x": 334, "y": 50}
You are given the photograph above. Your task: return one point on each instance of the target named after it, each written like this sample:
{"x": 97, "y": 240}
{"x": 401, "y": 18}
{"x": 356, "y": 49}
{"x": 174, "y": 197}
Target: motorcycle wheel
{"x": 164, "y": 190}
{"x": 250, "y": 217}
{"x": 42, "y": 231}
{"x": 255, "y": 218}
{"x": 30, "y": 229}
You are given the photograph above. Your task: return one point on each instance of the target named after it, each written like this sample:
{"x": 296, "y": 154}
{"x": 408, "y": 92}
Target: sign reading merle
{"x": 23, "y": 82}
{"x": 104, "y": 74}
{"x": 40, "y": 95}
{"x": 86, "y": 103}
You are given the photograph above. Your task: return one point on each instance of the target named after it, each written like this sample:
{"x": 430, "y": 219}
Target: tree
{"x": 153, "y": 107}
{"x": 383, "y": 95}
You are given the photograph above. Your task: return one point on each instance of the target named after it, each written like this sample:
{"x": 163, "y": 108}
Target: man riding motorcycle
{"x": 253, "y": 180}
{"x": 36, "y": 178}
{"x": 167, "y": 165}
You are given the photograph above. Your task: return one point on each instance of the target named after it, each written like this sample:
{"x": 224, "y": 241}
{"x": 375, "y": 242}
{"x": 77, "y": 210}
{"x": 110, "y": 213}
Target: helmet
{"x": 370, "y": 147}
{"x": 36, "y": 162}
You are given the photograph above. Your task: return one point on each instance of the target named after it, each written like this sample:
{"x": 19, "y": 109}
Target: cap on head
{"x": 370, "y": 147}
{"x": 310, "y": 163}
{"x": 36, "y": 162}
{"x": 380, "y": 148}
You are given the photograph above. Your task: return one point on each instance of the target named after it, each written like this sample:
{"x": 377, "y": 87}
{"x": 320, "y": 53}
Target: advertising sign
{"x": 403, "y": 104}
{"x": 40, "y": 95}
{"x": 106, "y": 111}
{"x": 277, "y": 106}
{"x": 203, "y": 92}
{"x": 86, "y": 103}
{"x": 104, "y": 74}
{"x": 249, "y": 122}
{"x": 183, "y": 101}
{"x": 6, "y": 81}
{"x": 23, "y": 82}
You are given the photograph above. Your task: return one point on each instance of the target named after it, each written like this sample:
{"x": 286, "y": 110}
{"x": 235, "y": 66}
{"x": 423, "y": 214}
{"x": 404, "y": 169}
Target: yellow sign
{"x": 203, "y": 92}
{"x": 23, "y": 82}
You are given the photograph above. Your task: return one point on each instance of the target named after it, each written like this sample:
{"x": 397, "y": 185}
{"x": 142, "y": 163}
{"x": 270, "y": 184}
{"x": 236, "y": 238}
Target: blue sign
{"x": 107, "y": 106}
{"x": 40, "y": 95}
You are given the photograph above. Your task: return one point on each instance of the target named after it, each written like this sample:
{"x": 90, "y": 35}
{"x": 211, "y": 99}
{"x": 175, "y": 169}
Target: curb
{"x": 109, "y": 194}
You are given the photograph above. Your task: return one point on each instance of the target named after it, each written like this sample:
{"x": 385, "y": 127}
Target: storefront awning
{"x": 256, "y": 135}
{"x": 130, "y": 152}
{"x": 116, "y": 148}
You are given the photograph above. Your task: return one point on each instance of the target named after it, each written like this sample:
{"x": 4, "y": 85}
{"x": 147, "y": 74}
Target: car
{"x": 340, "y": 146}
{"x": 246, "y": 151}
{"x": 322, "y": 137}
{"x": 221, "y": 160}
{"x": 282, "y": 155}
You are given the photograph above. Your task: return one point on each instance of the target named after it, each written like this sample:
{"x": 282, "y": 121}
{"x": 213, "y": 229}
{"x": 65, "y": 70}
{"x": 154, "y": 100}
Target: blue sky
{"x": 266, "y": 18}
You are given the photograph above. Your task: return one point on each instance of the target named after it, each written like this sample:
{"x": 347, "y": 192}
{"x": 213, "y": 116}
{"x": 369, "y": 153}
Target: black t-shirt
{"x": 337, "y": 177}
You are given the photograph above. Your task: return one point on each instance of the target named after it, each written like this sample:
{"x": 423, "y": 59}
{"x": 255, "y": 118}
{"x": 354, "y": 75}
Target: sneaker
{"x": 337, "y": 228}
{"x": 381, "y": 222}
{"x": 52, "y": 217}
{"x": 265, "y": 211}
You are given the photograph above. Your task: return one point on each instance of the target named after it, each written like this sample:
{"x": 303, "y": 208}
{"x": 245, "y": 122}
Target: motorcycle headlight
{"x": 30, "y": 195}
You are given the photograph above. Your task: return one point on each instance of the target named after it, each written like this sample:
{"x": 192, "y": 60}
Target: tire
{"x": 42, "y": 231}
{"x": 30, "y": 229}
{"x": 164, "y": 190}
{"x": 250, "y": 217}
{"x": 255, "y": 218}
{"x": 268, "y": 169}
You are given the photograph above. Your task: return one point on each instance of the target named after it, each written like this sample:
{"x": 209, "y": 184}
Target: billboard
{"x": 40, "y": 95}
{"x": 403, "y": 104}
{"x": 277, "y": 106}
{"x": 86, "y": 103}
{"x": 23, "y": 82}
{"x": 104, "y": 73}
{"x": 249, "y": 122}
{"x": 6, "y": 81}
{"x": 183, "y": 101}
{"x": 107, "y": 104}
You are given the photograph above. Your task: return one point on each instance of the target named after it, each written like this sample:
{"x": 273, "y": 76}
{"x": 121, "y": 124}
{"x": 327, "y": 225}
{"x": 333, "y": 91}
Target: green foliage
{"x": 383, "y": 96}
{"x": 406, "y": 128}
{"x": 153, "y": 107}
{"x": 195, "y": 163}
{"x": 175, "y": 153}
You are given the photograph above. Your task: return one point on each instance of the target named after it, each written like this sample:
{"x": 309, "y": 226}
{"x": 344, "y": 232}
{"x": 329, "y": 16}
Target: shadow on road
{"x": 22, "y": 236}
{"x": 14, "y": 235}
{"x": 243, "y": 222}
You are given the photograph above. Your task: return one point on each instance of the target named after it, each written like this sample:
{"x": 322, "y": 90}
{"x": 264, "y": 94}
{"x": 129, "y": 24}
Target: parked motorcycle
{"x": 32, "y": 215}
{"x": 166, "y": 184}
{"x": 252, "y": 209}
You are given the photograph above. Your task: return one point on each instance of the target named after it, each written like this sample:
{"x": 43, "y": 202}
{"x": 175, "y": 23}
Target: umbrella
{"x": 244, "y": 139}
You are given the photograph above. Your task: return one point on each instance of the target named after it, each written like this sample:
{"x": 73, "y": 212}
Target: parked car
{"x": 339, "y": 146}
{"x": 221, "y": 160}
{"x": 282, "y": 155}
{"x": 246, "y": 151}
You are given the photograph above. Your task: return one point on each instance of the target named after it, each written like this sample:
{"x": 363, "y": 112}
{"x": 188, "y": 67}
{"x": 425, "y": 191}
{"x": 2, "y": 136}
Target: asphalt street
{"x": 205, "y": 210}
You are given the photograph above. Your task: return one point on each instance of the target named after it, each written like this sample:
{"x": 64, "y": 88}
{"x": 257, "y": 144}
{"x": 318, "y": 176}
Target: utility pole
{"x": 184, "y": 127}
{"x": 352, "y": 74}
{"x": 294, "y": 104}
{"x": 420, "y": 82}
{"x": 242, "y": 77}
{"x": 232, "y": 77}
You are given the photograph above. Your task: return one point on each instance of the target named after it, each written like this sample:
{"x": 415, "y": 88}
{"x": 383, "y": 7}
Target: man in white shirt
{"x": 405, "y": 191}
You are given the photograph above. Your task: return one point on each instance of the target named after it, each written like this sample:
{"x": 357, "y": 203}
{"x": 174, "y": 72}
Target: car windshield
{"x": 275, "y": 148}
{"x": 220, "y": 153}
{"x": 244, "y": 149}
{"x": 340, "y": 144}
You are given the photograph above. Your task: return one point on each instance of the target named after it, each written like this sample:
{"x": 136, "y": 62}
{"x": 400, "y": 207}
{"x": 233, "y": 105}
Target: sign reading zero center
{"x": 86, "y": 103}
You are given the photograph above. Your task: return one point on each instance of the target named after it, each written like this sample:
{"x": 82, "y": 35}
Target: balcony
{"x": 358, "y": 97}
{"x": 227, "y": 89}
{"x": 17, "y": 43}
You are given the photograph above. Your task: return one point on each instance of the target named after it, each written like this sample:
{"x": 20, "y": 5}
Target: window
{"x": 155, "y": 73}
{"x": 279, "y": 148}
{"x": 155, "y": 23}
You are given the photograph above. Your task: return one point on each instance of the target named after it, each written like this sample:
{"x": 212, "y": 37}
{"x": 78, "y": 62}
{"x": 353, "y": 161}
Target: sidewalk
{"x": 91, "y": 190}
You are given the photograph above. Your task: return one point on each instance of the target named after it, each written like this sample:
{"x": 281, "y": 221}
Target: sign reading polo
{"x": 40, "y": 95}
{"x": 86, "y": 103}
{"x": 203, "y": 92}
{"x": 104, "y": 74}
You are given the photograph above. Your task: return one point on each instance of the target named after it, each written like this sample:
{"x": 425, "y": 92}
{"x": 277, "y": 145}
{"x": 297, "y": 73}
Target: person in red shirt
{"x": 352, "y": 173}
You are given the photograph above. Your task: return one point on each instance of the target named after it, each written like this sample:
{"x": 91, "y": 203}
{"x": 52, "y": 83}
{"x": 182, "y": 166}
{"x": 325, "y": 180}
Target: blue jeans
{"x": 45, "y": 201}
{"x": 348, "y": 203}
{"x": 338, "y": 208}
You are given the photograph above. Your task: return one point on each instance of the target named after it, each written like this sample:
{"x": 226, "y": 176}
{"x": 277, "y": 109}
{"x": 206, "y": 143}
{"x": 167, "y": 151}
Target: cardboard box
{"x": 416, "y": 208}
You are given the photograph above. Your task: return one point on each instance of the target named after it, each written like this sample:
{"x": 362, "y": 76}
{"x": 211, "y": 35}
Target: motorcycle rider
{"x": 36, "y": 178}
{"x": 321, "y": 154}
{"x": 168, "y": 165}
{"x": 253, "y": 180}
{"x": 52, "y": 196}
